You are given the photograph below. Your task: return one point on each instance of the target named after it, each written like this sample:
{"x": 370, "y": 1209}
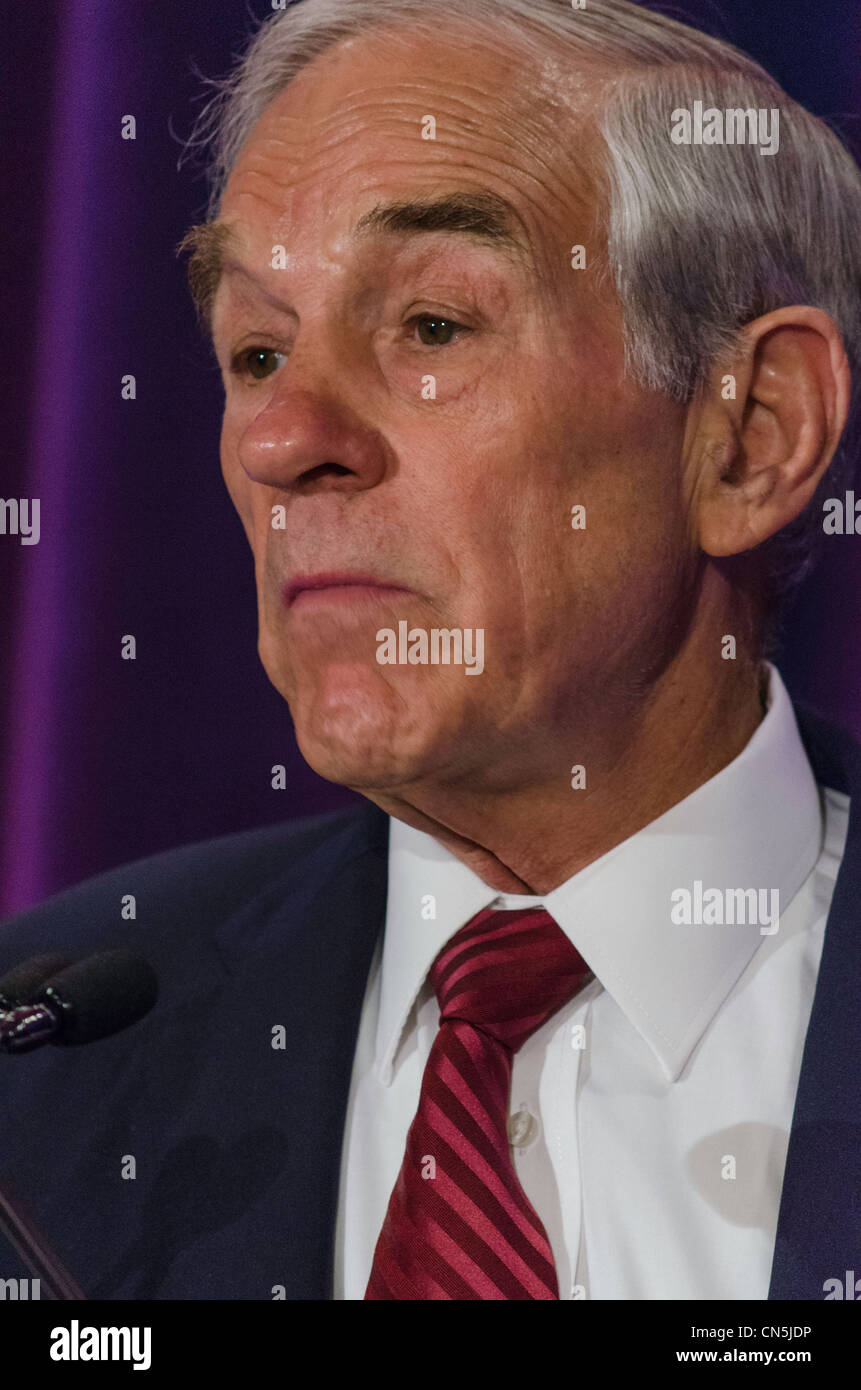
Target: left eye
{"x": 256, "y": 362}
{"x": 436, "y": 331}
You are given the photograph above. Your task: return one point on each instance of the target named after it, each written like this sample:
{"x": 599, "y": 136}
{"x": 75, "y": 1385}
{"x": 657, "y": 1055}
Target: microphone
{"x": 20, "y": 983}
{"x": 72, "y": 1004}
{"x": 88, "y": 1000}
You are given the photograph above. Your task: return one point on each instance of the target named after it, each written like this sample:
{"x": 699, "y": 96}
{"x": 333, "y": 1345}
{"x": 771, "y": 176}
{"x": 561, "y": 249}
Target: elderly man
{"x": 535, "y": 323}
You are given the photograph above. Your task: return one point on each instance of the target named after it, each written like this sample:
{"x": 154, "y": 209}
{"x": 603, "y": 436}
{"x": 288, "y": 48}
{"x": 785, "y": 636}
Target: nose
{"x": 308, "y": 437}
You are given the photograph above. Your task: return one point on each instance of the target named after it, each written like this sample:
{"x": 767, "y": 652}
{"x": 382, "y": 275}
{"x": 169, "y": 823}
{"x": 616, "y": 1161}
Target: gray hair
{"x": 700, "y": 240}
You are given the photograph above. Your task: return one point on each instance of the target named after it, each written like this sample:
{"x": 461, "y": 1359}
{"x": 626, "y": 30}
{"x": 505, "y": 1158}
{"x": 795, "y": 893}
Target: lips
{"x": 334, "y": 580}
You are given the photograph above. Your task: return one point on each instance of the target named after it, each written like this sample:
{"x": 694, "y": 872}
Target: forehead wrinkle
{"x": 520, "y": 146}
{"x": 497, "y": 111}
{"x": 509, "y": 125}
{"x": 409, "y": 91}
{"x": 534, "y": 195}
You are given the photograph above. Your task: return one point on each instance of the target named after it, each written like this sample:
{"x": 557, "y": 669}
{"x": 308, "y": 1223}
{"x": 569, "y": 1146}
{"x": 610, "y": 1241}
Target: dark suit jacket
{"x": 237, "y": 1145}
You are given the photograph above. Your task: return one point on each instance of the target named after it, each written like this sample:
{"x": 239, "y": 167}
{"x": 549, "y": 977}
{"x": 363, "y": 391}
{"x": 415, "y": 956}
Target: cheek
{"x": 613, "y": 458}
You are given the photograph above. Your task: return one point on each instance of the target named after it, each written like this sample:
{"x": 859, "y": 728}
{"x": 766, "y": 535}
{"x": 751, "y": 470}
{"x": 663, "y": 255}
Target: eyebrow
{"x": 208, "y": 242}
{"x": 484, "y": 217}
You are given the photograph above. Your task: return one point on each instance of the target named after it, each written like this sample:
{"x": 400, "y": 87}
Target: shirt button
{"x": 522, "y": 1128}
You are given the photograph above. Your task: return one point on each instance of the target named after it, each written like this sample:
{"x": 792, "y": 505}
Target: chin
{"x": 355, "y": 756}
{"x": 354, "y": 728}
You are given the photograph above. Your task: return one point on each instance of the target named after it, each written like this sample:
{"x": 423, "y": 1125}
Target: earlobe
{"x": 765, "y": 446}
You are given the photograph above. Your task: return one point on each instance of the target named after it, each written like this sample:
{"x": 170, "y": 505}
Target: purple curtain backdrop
{"x": 106, "y": 760}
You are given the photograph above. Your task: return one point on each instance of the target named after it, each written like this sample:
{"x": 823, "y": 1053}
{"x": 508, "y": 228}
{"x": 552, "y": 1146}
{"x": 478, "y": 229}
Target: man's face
{"x": 451, "y": 501}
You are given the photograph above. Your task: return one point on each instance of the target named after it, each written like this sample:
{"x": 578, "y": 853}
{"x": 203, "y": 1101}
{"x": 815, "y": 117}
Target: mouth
{"x": 313, "y": 588}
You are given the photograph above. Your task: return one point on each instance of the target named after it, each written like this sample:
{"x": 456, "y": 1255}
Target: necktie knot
{"x": 506, "y": 973}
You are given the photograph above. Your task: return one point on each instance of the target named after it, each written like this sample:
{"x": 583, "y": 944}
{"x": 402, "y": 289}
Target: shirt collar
{"x": 756, "y": 824}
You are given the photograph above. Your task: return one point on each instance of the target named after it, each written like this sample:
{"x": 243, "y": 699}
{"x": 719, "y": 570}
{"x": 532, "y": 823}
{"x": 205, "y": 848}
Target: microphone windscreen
{"x": 20, "y": 983}
{"x": 100, "y": 995}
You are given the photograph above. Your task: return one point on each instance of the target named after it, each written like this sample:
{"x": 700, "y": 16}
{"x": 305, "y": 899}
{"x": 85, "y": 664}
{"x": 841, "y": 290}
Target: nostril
{"x": 322, "y": 470}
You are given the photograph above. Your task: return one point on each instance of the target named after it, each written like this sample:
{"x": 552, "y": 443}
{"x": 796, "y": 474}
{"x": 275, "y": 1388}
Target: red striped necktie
{"x": 458, "y": 1224}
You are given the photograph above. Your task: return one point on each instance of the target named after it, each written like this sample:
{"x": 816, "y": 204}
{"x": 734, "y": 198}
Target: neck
{"x": 644, "y": 759}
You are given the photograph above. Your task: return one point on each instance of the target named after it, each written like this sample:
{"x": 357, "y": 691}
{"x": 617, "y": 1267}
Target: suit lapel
{"x": 331, "y": 945}
{"x": 817, "y": 1224}
{"x": 258, "y": 1139}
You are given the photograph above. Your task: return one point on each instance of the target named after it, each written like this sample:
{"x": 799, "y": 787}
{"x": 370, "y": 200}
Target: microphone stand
{"x": 25, "y": 1238}
{"x": 52, "y": 1017}
{"x": 20, "y": 1029}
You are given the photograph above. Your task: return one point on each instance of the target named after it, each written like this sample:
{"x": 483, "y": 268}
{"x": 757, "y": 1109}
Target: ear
{"x": 756, "y": 460}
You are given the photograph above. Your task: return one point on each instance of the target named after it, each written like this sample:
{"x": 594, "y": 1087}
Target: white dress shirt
{"x": 650, "y": 1117}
